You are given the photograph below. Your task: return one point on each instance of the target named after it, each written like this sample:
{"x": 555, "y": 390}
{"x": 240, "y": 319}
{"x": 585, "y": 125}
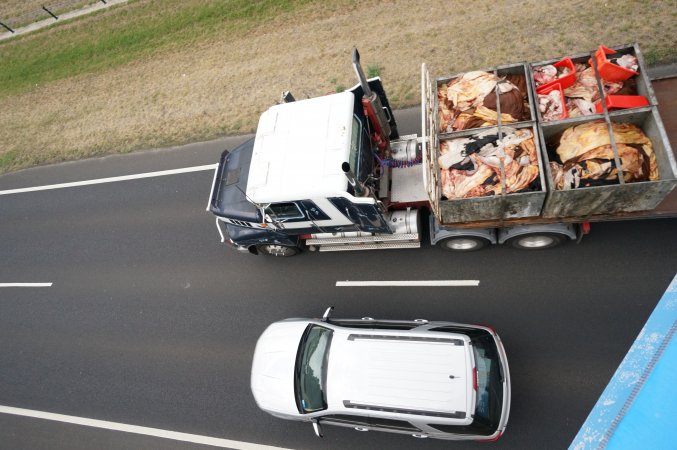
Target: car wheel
{"x": 278, "y": 250}
{"x": 462, "y": 243}
{"x": 536, "y": 241}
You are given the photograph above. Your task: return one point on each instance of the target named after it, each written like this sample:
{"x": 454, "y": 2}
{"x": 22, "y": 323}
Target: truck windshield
{"x": 310, "y": 372}
{"x": 354, "y": 158}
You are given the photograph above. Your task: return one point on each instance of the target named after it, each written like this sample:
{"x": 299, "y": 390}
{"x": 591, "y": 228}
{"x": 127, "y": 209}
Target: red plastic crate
{"x": 608, "y": 70}
{"x": 556, "y": 87}
{"x": 622, "y": 102}
{"x": 565, "y": 81}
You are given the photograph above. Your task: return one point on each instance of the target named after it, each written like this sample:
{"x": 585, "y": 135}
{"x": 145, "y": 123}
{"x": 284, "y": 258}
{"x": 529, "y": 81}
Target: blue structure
{"x": 638, "y": 408}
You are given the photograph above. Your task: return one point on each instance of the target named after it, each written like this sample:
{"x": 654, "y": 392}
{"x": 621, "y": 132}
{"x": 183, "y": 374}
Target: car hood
{"x": 272, "y": 378}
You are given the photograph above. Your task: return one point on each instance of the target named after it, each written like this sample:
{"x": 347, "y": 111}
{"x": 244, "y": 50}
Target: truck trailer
{"x": 495, "y": 163}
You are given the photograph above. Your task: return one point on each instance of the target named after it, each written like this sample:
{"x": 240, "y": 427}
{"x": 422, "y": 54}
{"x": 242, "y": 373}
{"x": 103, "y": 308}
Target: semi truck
{"x": 333, "y": 173}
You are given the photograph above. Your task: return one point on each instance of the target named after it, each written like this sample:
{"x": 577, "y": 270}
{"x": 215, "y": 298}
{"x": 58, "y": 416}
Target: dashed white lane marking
{"x": 111, "y": 179}
{"x": 410, "y": 283}
{"x": 156, "y": 432}
{"x": 25, "y": 284}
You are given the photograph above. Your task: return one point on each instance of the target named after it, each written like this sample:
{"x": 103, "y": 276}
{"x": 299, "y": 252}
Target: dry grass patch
{"x": 220, "y": 82}
{"x": 18, "y": 13}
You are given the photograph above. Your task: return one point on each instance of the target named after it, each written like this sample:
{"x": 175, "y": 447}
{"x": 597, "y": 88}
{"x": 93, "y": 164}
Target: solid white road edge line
{"x": 25, "y": 284}
{"x": 111, "y": 179}
{"x": 410, "y": 283}
{"x": 165, "y": 434}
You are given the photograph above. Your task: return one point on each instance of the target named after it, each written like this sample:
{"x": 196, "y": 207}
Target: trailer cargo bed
{"x": 625, "y": 200}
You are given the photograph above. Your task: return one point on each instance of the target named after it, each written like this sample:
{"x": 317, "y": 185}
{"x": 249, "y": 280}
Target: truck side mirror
{"x": 317, "y": 428}
{"x": 327, "y": 313}
{"x": 287, "y": 97}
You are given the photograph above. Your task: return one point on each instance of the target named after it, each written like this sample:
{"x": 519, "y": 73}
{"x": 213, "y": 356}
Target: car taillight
{"x": 474, "y": 378}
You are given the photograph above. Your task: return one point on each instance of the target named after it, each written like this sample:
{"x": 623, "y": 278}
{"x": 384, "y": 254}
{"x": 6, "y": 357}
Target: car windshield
{"x": 489, "y": 383}
{"x": 311, "y": 364}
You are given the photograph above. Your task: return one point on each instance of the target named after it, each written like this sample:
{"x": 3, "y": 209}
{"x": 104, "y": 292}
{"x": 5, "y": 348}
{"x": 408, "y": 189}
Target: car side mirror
{"x": 327, "y": 313}
{"x": 317, "y": 428}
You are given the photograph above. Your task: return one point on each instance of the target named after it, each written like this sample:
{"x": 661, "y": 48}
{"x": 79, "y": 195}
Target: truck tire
{"x": 462, "y": 243}
{"x": 278, "y": 250}
{"x": 536, "y": 241}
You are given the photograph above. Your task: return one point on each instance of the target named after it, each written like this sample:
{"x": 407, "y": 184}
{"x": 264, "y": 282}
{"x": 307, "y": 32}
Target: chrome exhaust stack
{"x": 373, "y": 107}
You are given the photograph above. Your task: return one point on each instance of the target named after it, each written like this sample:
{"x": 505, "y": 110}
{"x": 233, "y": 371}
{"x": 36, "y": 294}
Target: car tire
{"x": 536, "y": 241}
{"x": 462, "y": 243}
{"x": 278, "y": 250}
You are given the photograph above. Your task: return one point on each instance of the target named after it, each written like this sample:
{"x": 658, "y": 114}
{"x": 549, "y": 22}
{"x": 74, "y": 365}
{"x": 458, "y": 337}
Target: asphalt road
{"x": 151, "y": 321}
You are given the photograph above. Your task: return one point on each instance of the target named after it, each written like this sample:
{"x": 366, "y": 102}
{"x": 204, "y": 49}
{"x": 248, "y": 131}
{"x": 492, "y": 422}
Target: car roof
{"x": 401, "y": 372}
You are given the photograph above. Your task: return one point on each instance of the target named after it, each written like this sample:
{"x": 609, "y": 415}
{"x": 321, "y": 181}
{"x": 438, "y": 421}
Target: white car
{"x": 441, "y": 380}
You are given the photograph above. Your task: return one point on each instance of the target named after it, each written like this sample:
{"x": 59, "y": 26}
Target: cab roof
{"x": 299, "y": 149}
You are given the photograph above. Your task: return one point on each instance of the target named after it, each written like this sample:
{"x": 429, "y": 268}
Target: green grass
{"x": 19, "y": 13}
{"x": 661, "y": 54}
{"x": 373, "y": 71}
{"x": 7, "y": 158}
{"x": 138, "y": 29}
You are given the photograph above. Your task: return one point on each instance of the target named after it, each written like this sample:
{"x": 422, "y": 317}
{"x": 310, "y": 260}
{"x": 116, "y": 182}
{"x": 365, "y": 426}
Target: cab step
{"x": 374, "y": 238}
{"x": 369, "y": 242}
{"x": 376, "y": 246}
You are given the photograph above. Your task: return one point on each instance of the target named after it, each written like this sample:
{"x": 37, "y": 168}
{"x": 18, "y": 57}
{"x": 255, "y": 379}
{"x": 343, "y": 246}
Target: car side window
{"x": 392, "y": 424}
{"x": 473, "y": 428}
{"x": 375, "y": 324}
{"x": 346, "y": 419}
{"x": 472, "y": 332}
{"x": 370, "y": 422}
{"x": 451, "y": 329}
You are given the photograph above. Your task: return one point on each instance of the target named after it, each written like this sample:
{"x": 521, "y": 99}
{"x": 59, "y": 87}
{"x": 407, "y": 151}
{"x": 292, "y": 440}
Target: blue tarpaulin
{"x": 638, "y": 408}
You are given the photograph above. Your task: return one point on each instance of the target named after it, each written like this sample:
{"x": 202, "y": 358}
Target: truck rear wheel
{"x": 536, "y": 241}
{"x": 462, "y": 243}
{"x": 278, "y": 250}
